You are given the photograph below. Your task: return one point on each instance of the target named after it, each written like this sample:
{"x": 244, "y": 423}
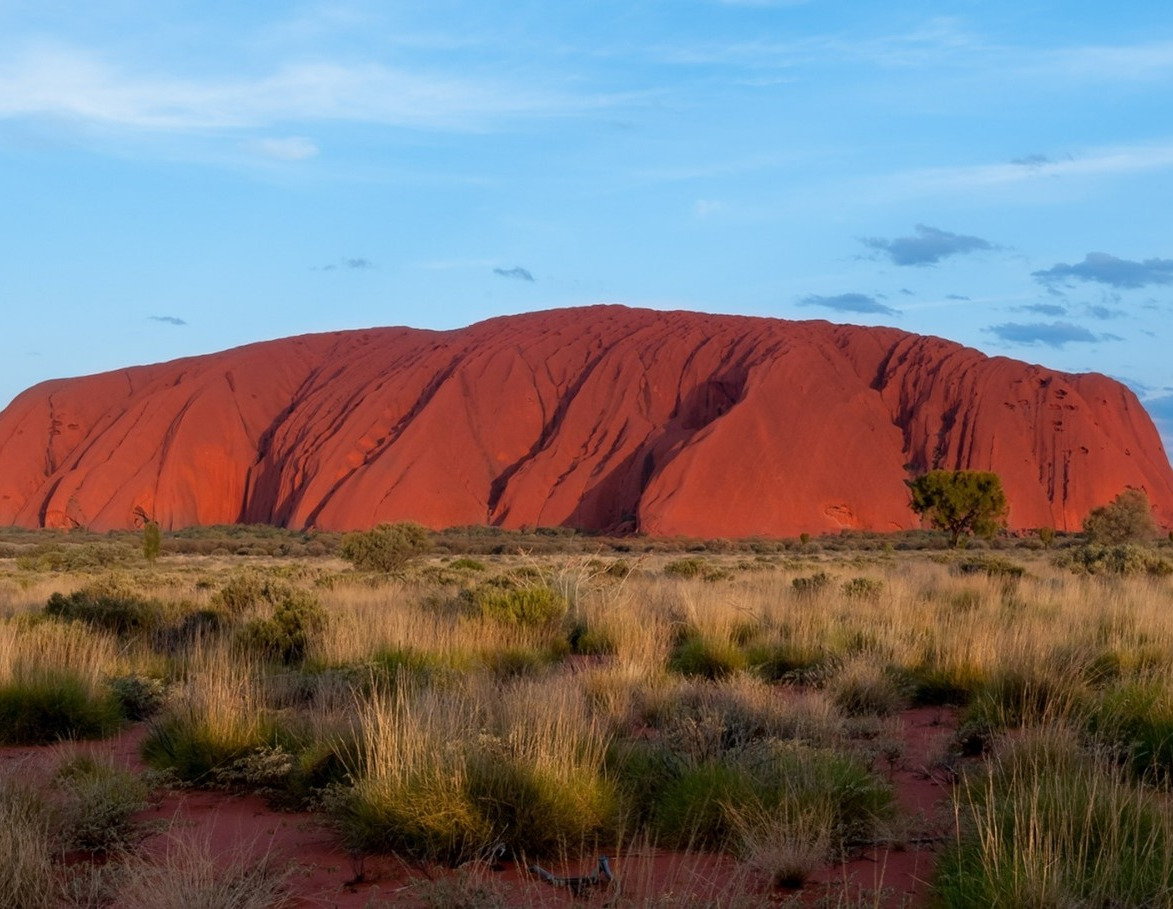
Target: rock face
{"x": 602, "y": 418}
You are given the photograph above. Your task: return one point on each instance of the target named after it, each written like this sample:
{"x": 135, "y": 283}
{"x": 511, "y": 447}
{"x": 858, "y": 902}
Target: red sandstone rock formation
{"x": 604, "y": 418}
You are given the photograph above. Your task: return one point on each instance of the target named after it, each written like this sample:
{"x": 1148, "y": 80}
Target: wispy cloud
{"x": 1107, "y": 269}
{"x": 356, "y": 263}
{"x": 170, "y": 320}
{"x": 849, "y": 303}
{"x": 928, "y": 246}
{"x": 56, "y": 81}
{"x": 1053, "y": 334}
{"x": 1045, "y": 309}
{"x": 940, "y": 39}
{"x": 1104, "y": 313}
{"x": 945, "y": 44}
{"x": 517, "y": 273}
{"x": 1094, "y": 163}
{"x": 290, "y": 148}
{"x": 1035, "y": 160}
{"x": 1138, "y": 61}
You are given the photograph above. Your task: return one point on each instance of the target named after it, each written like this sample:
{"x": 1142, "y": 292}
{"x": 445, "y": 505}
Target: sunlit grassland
{"x": 560, "y": 704}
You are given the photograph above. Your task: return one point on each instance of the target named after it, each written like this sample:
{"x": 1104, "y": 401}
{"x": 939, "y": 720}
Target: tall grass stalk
{"x": 1048, "y": 824}
{"x": 26, "y": 847}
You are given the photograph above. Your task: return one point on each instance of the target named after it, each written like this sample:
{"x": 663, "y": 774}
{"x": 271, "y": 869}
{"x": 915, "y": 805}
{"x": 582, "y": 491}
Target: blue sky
{"x": 178, "y": 178}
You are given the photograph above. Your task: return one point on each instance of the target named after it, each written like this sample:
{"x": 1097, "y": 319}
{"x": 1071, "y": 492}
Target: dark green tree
{"x": 1128, "y": 518}
{"x": 960, "y": 502}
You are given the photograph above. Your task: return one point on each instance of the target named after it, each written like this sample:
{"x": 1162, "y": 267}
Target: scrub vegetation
{"x": 478, "y": 700}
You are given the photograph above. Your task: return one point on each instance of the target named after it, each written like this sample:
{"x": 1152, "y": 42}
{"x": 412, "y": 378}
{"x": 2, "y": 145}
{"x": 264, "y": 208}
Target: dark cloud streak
{"x": 170, "y": 320}
{"x": 1107, "y": 269}
{"x": 928, "y": 247}
{"x": 1053, "y": 334}
{"x": 849, "y": 303}
{"x": 354, "y": 263}
{"x": 1046, "y": 309}
{"x": 517, "y": 273}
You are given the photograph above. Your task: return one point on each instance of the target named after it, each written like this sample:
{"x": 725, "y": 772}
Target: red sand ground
{"x": 323, "y": 875}
{"x": 603, "y": 418}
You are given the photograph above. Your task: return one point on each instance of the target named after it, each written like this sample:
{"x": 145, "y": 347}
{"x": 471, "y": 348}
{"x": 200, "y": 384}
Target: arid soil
{"x": 322, "y": 874}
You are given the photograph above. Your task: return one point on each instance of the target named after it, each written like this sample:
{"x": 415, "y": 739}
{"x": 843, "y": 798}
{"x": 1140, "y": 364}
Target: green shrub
{"x": 1126, "y": 519}
{"x": 502, "y": 600}
{"x": 195, "y": 749}
{"x": 700, "y": 807}
{"x": 709, "y": 658}
{"x": 406, "y": 663}
{"x": 587, "y": 640}
{"x": 426, "y": 815}
{"x": 96, "y": 804}
{"x": 285, "y": 636}
{"x": 537, "y": 810}
{"x": 1136, "y": 721}
{"x": 53, "y": 704}
{"x": 934, "y": 685}
{"x": 75, "y": 557}
{"x": 992, "y": 566}
{"x": 108, "y": 605}
{"x": 860, "y": 687}
{"x": 692, "y": 810}
{"x": 247, "y": 590}
{"x": 1120, "y": 559}
{"x": 685, "y": 568}
{"x": 388, "y": 547}
{"x": 785, "y": 660}
{"x": 518, "y": 660}
{"x": 138, "y": 696}
{"x": 1013, "y": 697}
{"x": 695, "y": 568}
{"x": 811, "y": 584}
{"x": 863, "y": 589}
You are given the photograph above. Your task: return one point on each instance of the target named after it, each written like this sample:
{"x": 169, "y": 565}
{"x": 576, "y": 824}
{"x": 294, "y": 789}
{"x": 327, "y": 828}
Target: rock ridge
{"x": 603, "y": 418}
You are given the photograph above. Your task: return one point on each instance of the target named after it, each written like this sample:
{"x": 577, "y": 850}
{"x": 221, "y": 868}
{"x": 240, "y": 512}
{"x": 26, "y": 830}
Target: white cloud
{"x": 1100, "y": 62}
{"x": 71, "y": 84}
{"x": 291, "y": 148}
{"x": 1094, "y": 163}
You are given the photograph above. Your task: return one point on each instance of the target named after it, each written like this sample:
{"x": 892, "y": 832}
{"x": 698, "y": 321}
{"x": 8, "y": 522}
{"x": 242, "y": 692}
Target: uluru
{"x": 602, "y": 418}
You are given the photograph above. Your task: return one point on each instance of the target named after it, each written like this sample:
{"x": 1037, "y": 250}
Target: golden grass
{"x": 445, "y": 747}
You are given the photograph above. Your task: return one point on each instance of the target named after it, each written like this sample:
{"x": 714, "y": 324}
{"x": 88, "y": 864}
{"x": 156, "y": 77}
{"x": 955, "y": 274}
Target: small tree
{"x": 960, "y": 502}
{"x": 1126, "y": 519}
{"x": 152, "y": 540}
{"x": 387, "y": 547}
